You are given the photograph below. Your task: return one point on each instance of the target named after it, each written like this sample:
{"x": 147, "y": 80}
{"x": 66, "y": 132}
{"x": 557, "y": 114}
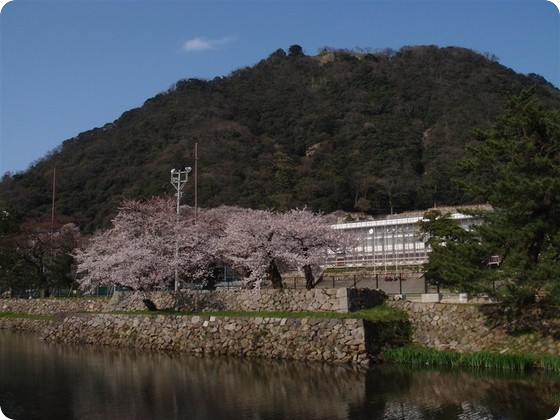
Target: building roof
{"x": 408, "y": 217}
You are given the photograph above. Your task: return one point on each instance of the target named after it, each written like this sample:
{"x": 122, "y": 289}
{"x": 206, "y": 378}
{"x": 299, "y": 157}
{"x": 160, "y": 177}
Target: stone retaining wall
{"x": 291, "y": 300}
{"x": 331, "y": 340}
{"x": 336, "y": 300}
{"x": 36, "y": 326}
{"x": 328, "y": 340}
{"x": 51, "y": 306}
{"x": 452, "y": 326}
{"x": 466, "y": 327}
{"x": 449, "y": 326}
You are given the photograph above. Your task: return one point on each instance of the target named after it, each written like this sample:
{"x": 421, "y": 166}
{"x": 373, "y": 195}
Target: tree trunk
{"x": 309, "y": 279}
{"x": 46, "y": 292}
{"x": 274, "y": 275}
{"x": 147, "y": 301}
{"x": 150, "y": 304}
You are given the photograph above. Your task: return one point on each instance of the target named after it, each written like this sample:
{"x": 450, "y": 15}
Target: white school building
{"x": 392, "y": 243}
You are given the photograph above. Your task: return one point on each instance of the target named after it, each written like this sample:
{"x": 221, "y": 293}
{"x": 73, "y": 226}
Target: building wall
{"x": 390, "y": 244}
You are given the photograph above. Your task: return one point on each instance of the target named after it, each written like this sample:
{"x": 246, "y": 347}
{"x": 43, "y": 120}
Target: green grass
{"x": 378, "y": 313}
{"x": 550, "y": 363}
{"x": 488, "y": 360}
{"x": 20, "y": 315}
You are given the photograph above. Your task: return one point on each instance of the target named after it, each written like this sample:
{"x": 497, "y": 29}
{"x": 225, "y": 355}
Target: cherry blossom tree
{"x": 200, "y": 256}
{"x": 139, "y": 251}
{"x": 250, "y": 244}
{"x": 148, "y": 244}
{"x": 305, "y": 237}
{"x": 259, "y": 242}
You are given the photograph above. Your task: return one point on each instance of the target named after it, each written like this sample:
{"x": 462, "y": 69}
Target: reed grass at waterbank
{"x": 414, "y": 354}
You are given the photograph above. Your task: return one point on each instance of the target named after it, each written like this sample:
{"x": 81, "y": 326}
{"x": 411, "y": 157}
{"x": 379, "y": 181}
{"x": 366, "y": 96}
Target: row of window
{"x": 391, "y": 241}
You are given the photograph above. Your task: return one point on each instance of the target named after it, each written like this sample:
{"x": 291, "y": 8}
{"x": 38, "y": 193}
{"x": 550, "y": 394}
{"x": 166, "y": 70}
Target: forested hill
{"x": 370, "y": 132}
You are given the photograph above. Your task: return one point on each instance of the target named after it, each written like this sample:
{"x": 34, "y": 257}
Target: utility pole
{"x": 178, "y": 179}
{"x": 53, "y": 199}
{"x": 195, "y": 182}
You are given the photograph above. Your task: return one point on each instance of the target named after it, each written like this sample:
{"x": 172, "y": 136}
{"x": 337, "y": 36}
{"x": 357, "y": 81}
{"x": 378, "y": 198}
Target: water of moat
{"x": 41, "y": 380}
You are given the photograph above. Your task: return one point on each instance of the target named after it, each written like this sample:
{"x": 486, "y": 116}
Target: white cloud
{"x": 202, "y": 44}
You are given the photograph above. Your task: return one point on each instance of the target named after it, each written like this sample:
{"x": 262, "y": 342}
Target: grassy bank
{"x": 414, "y": 354}
{"x": 378, "y": 313}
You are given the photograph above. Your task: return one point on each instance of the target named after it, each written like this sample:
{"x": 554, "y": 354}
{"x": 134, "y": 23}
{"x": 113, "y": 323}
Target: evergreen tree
{"x": 10, "y": 222}
{"x": 459, "y": 258}
{"x": 516, "y": 169}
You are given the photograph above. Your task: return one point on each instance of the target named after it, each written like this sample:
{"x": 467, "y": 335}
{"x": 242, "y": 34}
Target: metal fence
{"x": 390, "y": 283}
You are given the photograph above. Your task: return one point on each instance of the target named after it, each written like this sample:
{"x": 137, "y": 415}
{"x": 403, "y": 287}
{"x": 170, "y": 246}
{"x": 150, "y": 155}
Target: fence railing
{"x": 392, "y": 283}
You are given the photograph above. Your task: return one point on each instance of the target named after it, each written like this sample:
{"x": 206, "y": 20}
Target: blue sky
{"x": 69, "y": 66}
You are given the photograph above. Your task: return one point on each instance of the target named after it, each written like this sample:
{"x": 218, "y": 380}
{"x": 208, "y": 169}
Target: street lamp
{"x": 178, "y": 179}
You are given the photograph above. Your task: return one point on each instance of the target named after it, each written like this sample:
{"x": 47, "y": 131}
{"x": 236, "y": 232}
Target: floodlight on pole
{"x": 178, "y": 179}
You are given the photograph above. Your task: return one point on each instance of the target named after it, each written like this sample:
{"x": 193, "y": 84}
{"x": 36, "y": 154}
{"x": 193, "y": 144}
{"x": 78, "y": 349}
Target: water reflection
{"x": 44, "y": 380}
{"x": 396, "y": 392}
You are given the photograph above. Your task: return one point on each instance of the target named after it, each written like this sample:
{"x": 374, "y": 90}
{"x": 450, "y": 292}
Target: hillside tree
{"x": 38, "y": 254}
{"x": 12, "y": 272}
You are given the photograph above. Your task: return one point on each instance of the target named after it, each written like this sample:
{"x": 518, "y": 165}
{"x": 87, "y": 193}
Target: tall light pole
{"x": 178, "y": 179}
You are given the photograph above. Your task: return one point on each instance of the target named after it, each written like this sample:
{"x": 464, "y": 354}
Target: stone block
{"x": 430, "y": 297}
{"x": 343, "y": 305}
{"x": 342, "y": 293}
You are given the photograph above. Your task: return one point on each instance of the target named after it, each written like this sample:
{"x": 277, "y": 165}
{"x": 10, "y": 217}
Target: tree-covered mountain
{"x": 377, "y": 131}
